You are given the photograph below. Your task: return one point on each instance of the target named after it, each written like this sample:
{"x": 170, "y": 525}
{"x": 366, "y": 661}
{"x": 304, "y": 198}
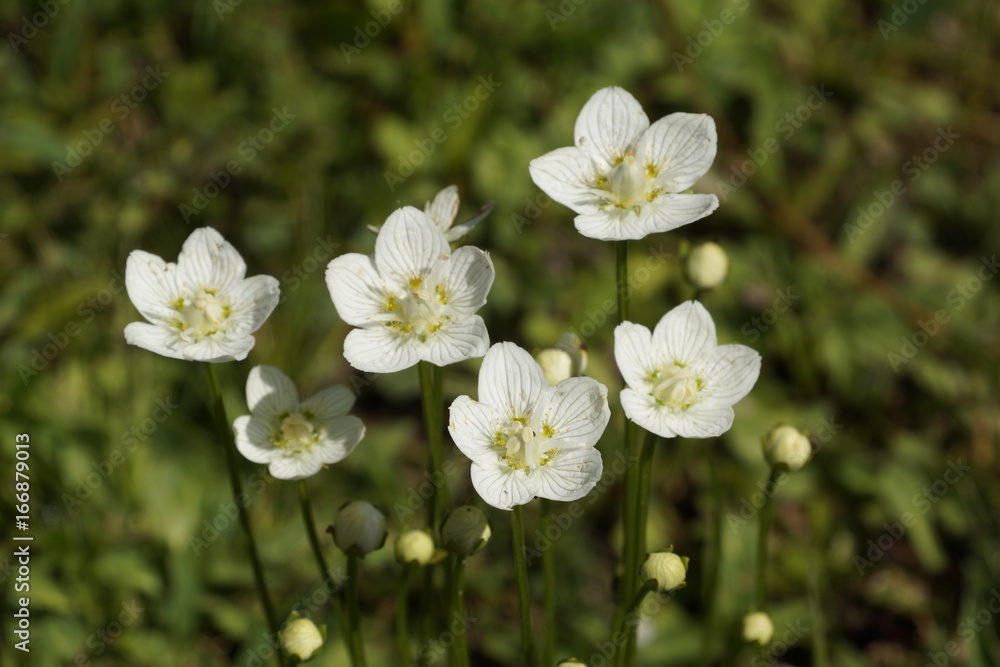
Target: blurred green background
{"x": 117, "y": 115}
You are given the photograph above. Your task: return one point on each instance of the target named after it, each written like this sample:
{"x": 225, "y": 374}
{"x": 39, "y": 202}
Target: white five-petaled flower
{"x": 413, "y": 299}
{"x": 626, "y": 178}
{"x": 526, "y": 438}
{"x": 680, "y": 381}
{"x": 295, "y": 438}
{"x": 202, "y": 308}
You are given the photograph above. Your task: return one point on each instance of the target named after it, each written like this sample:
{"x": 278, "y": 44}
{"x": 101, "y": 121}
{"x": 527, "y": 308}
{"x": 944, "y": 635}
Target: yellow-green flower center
{"x": 297, "y": 433}
{"x": 630, "y": 185}
{"x": 419, "y": 311}
{"x": 525, "y": 449}
{"x": 202, "y": 315}
{"x": 676, "y": 386}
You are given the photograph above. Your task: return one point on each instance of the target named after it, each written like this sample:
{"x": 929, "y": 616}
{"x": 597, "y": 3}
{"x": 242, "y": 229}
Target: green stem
{"x": 819, "y": 651}
{"x": 549, "y": 592}
{"x": 460, "y": 648}
{"x": 431, "y": 391}
{"x": 621, "y": 279}
{"x": 641, "y": 513}
{"x": 353, "y": 615}
{"x": 426, "y": 606}
{"x": 628, "y": 582}
{"x": 766, "y": 514}
{"x": 324, "y": 570}
{"x": 225, "y": 430}
{"x": 627, "y": 620}
{"x": 523, "y": 594}
{"x": 713, "y": 559}
{"x": 403, "y": 616}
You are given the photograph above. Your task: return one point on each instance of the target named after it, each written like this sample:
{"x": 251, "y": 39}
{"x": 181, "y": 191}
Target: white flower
{"x": 625, "y": 177}
{"x": 413, "y": 299}
{"x": 680, "y": 381}
{"x": 295, "y": 438}
{"x": 443, "y": 211}
{"x": 202, "y": 308}
{"x": 526, "y": 438}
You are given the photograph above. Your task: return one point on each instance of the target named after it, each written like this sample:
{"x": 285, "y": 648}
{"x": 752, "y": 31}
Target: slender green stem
{"x": 426, "y": 607}
{"x": 460, "y": 647}
{"x": 523, "y": 594}
{"x": 816, "y": 579}
{"x": 225, "y": 430}
{"x": 353, "y": 615}
{"x": 713, "y": 559}
{"x": 403, "y": 616}
{"x": 630, "y": 560}
{"x": 641, "y": 514}
{"x": 621, "y": 279}
{"x": 765, "y": 516}
{"x": 431, "y": 391}
{"x": 324, "y": 570}
{"x": 549, "y": 592}
{"x": 629, "y": 620}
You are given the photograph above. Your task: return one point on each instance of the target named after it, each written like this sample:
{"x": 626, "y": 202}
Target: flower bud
{"x": 466, "y": 530}
{"x": 359, "y": 528}
{"x": 707, "y": 265}
{"x": 785, "y": 446}
{"x": 571, "y": 662}
{"x": 414, "y": 547}
{"x": 557, "y": 364}
{"x": 664, "y": 570}
{"x": 570, "y": 343}
{"x": 757, "y": 627}
{"x": 300, "y": 639}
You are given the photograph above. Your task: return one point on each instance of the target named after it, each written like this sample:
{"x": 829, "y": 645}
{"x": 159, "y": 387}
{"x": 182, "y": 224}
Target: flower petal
{"x": 208, "y": 261}
{"x": 409, "y": 246}
{"x": 342, "y": 436}
{"x": 150, "y": 283}
{"x": 568, "y": 175}
{"x": 463, "y": 228}
{"x": 633, "y": 352}
{"x": 611, "y": 224}
{"x": 570, "y": 475}
{"x": 155, "y": 339}
{"x": 668, "y": 212}
{"x": 379, "y": 350}
{"x": 356, "y": 289}
{"x": 456, "y": 342}
{"x": 293, "y": 467}
{"x": 681, "y": 147}
{"x": 609, "y": 124}
{"x": 331, "y": 402}
{"x": 645, "y": 412}
{"x": 466, "y": 278}
{"x": 253, "y": 439}
{"x": 270, "y": 392}
{"x": 474, "y": 426}
{"x": 730, "y": 372}
{"x": 500, "y": 485}
{"x": 511, "y": 381}
{"x": 253, "y": 301}
{"x": 444, "y": 208}
{"x": 705, "y": 420}
{"x": 685, "y": 334}
{"x": 577, "y": 411}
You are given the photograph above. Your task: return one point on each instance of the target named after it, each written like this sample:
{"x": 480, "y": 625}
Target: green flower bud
{"x": 707, "y": 265}
{"x": 758, "y": 627}
{"x": 415, "y": 547}
{"x": 785, "y": 446}
{"x": 664, "y": 571}
{"x": 300, "y": 639}
{"x": 557, "y": 364}
{"x": 466, "y": 530}
{"x": 359, "y": 528}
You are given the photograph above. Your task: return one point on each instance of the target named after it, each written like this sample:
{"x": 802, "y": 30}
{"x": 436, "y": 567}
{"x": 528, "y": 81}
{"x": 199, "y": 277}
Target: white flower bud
{"x": 300, "y": 639}
{"x": 359, "y": 528}
{"x": 786, "y": 446}
{"x": 758, "y": 627}
{"x": 665, "y": 569}
{"x": 571, "y": 662}
{"x": 466, "y": 530}
{"x": 707, "y": 265}
{"x": 570, "y": 343}
{"x": 415, "y": 547}
{"x": 557, "y": 364}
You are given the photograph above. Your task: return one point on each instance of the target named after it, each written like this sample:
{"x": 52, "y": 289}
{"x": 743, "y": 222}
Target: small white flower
{"x": 626, "y": 178}
{"x": 680, "y": 381}
{"x": 295, "y": 438}
{"x": 443, "y": 211}
{"x": 202, "y": 308}
{"x": 413, "y": 299}
{"x": 526, "y": 438}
